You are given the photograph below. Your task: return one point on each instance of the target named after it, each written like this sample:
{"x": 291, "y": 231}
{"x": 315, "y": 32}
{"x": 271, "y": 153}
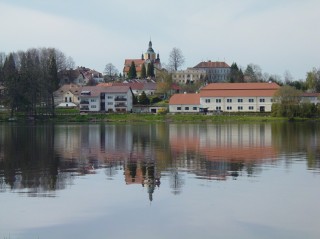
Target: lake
{"x": 161, "y": 180}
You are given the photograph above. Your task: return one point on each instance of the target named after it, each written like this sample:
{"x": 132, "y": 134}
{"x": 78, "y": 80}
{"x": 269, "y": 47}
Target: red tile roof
{"x": 239, "y": 89}
{"x": 185, "y": 99}
{"x": 212, "y": 64}
{"x": 309, "y": 94}
{"x": 241, "y": 86}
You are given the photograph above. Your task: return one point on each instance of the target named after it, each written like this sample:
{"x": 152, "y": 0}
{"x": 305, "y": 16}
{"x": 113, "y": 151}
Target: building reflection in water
{"x": 49, "y": 157}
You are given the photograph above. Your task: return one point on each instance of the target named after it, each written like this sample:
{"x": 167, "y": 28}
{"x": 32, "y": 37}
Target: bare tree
{"x": 110, "y": 70}
{"x": 176, "y": 59}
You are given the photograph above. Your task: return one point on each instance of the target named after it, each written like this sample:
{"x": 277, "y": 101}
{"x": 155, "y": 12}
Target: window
{"x": 261, "y": 100}
{"x": 178, "y": 108}
{"x": 218, "y": 100}
{"x": 65, "y": 99}
{"x": 93, "y": 100}
{"x": 240, "y": 100}
{"x": 110, "y": 97}
{"x": 218, "y": 107}
{"x": 251, "y": 100}
{"x": 207, "y": 100}
{"x": 194, "y": 108}
{"x": 110, "y": 103}
{"x": 250, "y": 107}
{"x": 229, "y": 100}
{"x": 229, "y": 107}
{"x": 240, "y": 108}
{"x": 93, "y": 106}
{"x": 186, "y": 108}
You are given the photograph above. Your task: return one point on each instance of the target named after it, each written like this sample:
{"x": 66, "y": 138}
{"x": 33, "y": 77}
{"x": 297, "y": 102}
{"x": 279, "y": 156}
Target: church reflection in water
{"x": 46, "y": 158}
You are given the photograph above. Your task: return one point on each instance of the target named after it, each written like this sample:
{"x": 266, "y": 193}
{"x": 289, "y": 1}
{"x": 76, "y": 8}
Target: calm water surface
{"x": 160, "y": 180}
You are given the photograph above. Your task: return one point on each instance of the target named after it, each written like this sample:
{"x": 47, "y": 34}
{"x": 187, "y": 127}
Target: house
{"x": 184, "y": 103}
{"x": 106, "y": 99}
{"x": 148, "y": 57}
{"x": 310, "y": 97}
{"x": 67, "y": 95}
{"x": 215, "y": 71}
{"x": 228, "y": 97}
{"x": 189, "y": 76}
{"x": 149, "y": 88}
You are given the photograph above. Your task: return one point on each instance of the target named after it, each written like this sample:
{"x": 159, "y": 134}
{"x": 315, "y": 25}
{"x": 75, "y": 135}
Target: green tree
{"x": 313, "y": 80}
{"x": 143, "y": 72}
{"x": 287, "y": 100}
{"x": 150, "y": 70}
{"x": 236, "y": 74}
{"x": 132, "y": 71}
{"x": 164, "y": 83}
{"x": 143, "y": 99}
{"x": 11, "y": 80}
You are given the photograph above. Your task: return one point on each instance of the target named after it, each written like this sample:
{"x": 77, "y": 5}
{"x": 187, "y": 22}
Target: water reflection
{"x": 40, "y": 159}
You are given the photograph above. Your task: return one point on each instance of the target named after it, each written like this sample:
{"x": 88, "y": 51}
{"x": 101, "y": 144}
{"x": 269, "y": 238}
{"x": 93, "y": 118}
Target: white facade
{"x": 118, "y": 102}
{"x": 189, "y": 76}
{"x": 184, "y": 108}
{"x": 237, "y": 104}
{"x": 106, "y": 99}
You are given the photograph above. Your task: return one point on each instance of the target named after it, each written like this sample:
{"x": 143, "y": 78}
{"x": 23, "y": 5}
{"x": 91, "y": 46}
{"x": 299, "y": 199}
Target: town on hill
{"x": 39, "y": 81}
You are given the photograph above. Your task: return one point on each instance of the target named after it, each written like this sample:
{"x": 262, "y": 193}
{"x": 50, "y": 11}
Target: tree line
{"x": 29, "y": 79}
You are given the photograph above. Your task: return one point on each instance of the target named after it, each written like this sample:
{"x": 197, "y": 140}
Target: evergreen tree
{"x": 11, "y": 83}
{"x": 143, "y": 72}
{"x": 150, "y": 70}
{"x": 132, "y": 71}
{"x": 53, "y": 79}
{"x": 143, "y": 99}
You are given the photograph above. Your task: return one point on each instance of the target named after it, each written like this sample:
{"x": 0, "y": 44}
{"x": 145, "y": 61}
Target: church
{"x": 147, "y": 58}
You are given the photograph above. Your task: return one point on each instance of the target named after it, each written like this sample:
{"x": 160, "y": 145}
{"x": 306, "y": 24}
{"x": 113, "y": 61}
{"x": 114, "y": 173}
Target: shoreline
{"x": 148, "y": 117}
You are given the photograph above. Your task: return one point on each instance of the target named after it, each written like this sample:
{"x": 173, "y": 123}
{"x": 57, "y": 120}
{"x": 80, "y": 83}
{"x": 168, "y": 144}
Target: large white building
{"x": 227, "y": 97}
{"x": 106, "y": 99}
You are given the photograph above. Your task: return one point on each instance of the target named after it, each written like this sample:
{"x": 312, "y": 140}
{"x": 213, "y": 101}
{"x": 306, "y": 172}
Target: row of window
{"x": 186, "y": 76}
{"x": 217, "y": 108}
{"x": 187, "y": 108}
{"x": 239, "y": 100}
{"x": 239, "y": 108}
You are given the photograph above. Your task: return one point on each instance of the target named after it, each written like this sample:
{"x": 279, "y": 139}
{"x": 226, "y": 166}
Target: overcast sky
{"x": 277, "y": 35}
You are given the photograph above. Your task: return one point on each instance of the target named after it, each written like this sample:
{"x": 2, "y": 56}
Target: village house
{"x": 227, "y": 97}
{"x": 309, "y": 97}
{"x": 67, "y": 95}
{"x": 106, "y": 99}
{"x": 215, "y": 71}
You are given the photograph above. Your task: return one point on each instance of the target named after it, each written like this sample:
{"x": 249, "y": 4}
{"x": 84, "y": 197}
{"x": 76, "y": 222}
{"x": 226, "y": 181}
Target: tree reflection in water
{"x": 40, "y": 159}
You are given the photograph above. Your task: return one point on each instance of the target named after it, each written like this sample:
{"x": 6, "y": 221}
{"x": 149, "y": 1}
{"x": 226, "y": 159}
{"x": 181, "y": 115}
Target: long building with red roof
{"x": 228, "y": 97}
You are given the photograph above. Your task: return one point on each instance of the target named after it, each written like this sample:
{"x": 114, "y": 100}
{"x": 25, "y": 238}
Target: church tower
{"x": 150, "y": 54}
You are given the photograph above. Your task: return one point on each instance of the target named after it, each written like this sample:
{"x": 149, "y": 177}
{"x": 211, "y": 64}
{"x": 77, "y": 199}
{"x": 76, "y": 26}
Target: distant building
{"x": 228, "y": 97}
{"x": 106, "y": 99}
{"x": 189, "y": 76}
{"x": 310, "y": 97}
{"x": 148, "y": 57}
{"x": 67, "y": 95}
{"x": 215, "y": 71}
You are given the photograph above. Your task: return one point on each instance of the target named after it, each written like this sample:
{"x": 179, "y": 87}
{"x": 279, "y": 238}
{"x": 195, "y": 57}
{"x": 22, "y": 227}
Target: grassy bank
{"x": 72, "y": 116}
